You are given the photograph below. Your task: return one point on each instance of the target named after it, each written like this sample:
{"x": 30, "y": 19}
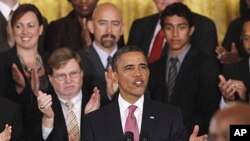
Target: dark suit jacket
{"x": 66, "y": 32}
{"x": 105, "y": 124}
{"x": 233, "y": 34}
{"x": 10, "y": 113}
{"x": 4, "y": 46}
{"x": 204, "y": 36}
{"x": 59, "y": 132}
{"x": 94, "y": 73}
{"x": 195, "y": 91}
{"x": 7, "y": 84}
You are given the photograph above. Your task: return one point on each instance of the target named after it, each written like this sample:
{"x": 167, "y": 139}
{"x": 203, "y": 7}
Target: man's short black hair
{"x": 178, "y": 9}
{"x": 123, "y": 50}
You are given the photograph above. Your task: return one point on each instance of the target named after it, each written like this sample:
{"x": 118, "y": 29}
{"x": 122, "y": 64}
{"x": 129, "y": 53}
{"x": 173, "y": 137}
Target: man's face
{"x": 246, "y": 37}
{"x": 162, "y": 4}
{"x": 219, "y": 130}
{"x": 177, "y": 33}
{"x": 67, "y": 80}
{"x": 107, "y": 26}
{"x": 132, "y": 75}
{"x": 83, "y": 8}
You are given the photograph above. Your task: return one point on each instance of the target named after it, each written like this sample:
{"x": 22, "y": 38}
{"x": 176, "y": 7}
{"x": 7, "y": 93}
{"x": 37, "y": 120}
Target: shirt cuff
{"x": 46, "y": 131}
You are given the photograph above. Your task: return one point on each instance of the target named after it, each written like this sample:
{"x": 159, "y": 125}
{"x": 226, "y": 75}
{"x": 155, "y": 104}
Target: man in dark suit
{"x": 191, "y": 82}
{"x": 107, "y": 27}
{"x": 236, "y": 77}
{"x": 143, "y": 31}
{"x": 11, "y": 121}
{"x": 154, "y": 121}
{"x": 5, "y": 10}
{"x": 72, "y": 30}
{"x": 66, "y": 100}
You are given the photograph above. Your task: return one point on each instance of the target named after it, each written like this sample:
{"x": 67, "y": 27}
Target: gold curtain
{"x": 220, "y": 11}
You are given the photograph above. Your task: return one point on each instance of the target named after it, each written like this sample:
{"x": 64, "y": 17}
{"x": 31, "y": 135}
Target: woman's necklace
{"x": 38, "y": 66}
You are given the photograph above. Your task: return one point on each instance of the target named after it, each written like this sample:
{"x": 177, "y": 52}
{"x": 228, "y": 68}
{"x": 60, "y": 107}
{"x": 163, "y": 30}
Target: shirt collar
{"x": 104, "y": 55}
{"x": 5, "y": 9}
{"x": 182, "y": 55}
{"x": 123, "y": 105}
{"x": 75, "y": 100}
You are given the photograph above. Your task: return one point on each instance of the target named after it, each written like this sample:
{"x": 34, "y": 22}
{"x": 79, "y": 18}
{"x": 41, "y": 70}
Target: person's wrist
{"x": 48, "y": 122}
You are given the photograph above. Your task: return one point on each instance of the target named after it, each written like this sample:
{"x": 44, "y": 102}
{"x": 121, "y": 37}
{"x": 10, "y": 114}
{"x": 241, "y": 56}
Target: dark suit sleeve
{"x": 178, "y": 130}
{"x": 207, "y": 98}
{"x": 205, "y": 35}
{"x": 17, "y": 125}
{"x": 87, "y": 132}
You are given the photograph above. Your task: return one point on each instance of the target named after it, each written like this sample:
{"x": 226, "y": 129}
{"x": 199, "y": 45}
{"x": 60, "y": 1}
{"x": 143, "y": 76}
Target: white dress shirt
{"x": 5, "y": 9}
{"x": 77, "y": 108}
{"x": 104, "y": 55}
{"x": 123, "y": 105}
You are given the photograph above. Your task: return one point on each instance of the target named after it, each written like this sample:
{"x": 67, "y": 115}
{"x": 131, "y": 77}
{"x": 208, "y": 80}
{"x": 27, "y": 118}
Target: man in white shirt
{"x": 152, "y": 120}
{"x": 67, "y": 103}
{"x": 6, "y": 9}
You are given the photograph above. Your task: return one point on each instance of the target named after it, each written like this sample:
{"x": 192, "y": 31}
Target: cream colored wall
{"x": 221, "y": 11}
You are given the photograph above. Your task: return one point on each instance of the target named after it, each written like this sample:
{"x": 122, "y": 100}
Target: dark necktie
{"x": 131, "y": 123}
{"x": 157, "y": 47}
{"x": 109, "y": 62}
{"x": 172, "y": 74}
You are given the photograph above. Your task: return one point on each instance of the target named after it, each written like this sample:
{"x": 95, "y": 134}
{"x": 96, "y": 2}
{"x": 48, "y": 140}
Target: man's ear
{"x": 191, "y": 31}
{"x": 90, "y": 25}
{"x": 114, "y": 77}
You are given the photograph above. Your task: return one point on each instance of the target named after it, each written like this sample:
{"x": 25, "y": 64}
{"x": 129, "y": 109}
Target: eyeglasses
{"x": 62, "y": 77}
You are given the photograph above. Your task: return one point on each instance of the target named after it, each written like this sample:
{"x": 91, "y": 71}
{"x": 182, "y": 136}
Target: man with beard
{"x": 107, "y": 27}
{"x": 72, "y": 30}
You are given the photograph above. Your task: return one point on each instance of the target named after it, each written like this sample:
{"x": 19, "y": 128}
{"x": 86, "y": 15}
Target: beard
{"x": 108, "y": 43}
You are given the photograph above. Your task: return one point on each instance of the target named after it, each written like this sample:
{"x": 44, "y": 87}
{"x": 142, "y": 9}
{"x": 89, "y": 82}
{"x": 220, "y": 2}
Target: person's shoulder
{"x": 146, "y": 19}
{"x": 63, "y": 20}
{"x": 102, "y": 112}
{"x": 163, "y": 107}
{"x": 8, "y": 104}
{"x": 201, "y": 18}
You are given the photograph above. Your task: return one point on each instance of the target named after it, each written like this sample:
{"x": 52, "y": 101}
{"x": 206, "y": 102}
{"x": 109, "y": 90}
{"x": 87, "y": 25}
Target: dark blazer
{"x": 10, "y": 113}
{"x": 204, "y": 36}
{"x": 7, "y": 84}
{"x": 195, "y": 91}
{"x": 4, "y": 46}
{"x": 238, "y": 71}
{"x": 66, "y": 32}
{"x": 59, "y": 132}
{"x": 159, "y": 121}
{"x": 94, "y": 73}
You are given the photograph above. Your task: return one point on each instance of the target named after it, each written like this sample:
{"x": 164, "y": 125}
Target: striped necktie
{"x": 72, "y": 125}
{"x": 172, "y": 74}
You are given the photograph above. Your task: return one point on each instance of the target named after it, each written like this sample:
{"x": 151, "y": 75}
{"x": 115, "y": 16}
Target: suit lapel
{"x": 187, "y": 66}
{"x": 59, "y": 125}
{"x": 94, "y": 57}
{"x": 113, "y": 121}
{"x": 149, "y": 32}
{"x": 149, "y": 118}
